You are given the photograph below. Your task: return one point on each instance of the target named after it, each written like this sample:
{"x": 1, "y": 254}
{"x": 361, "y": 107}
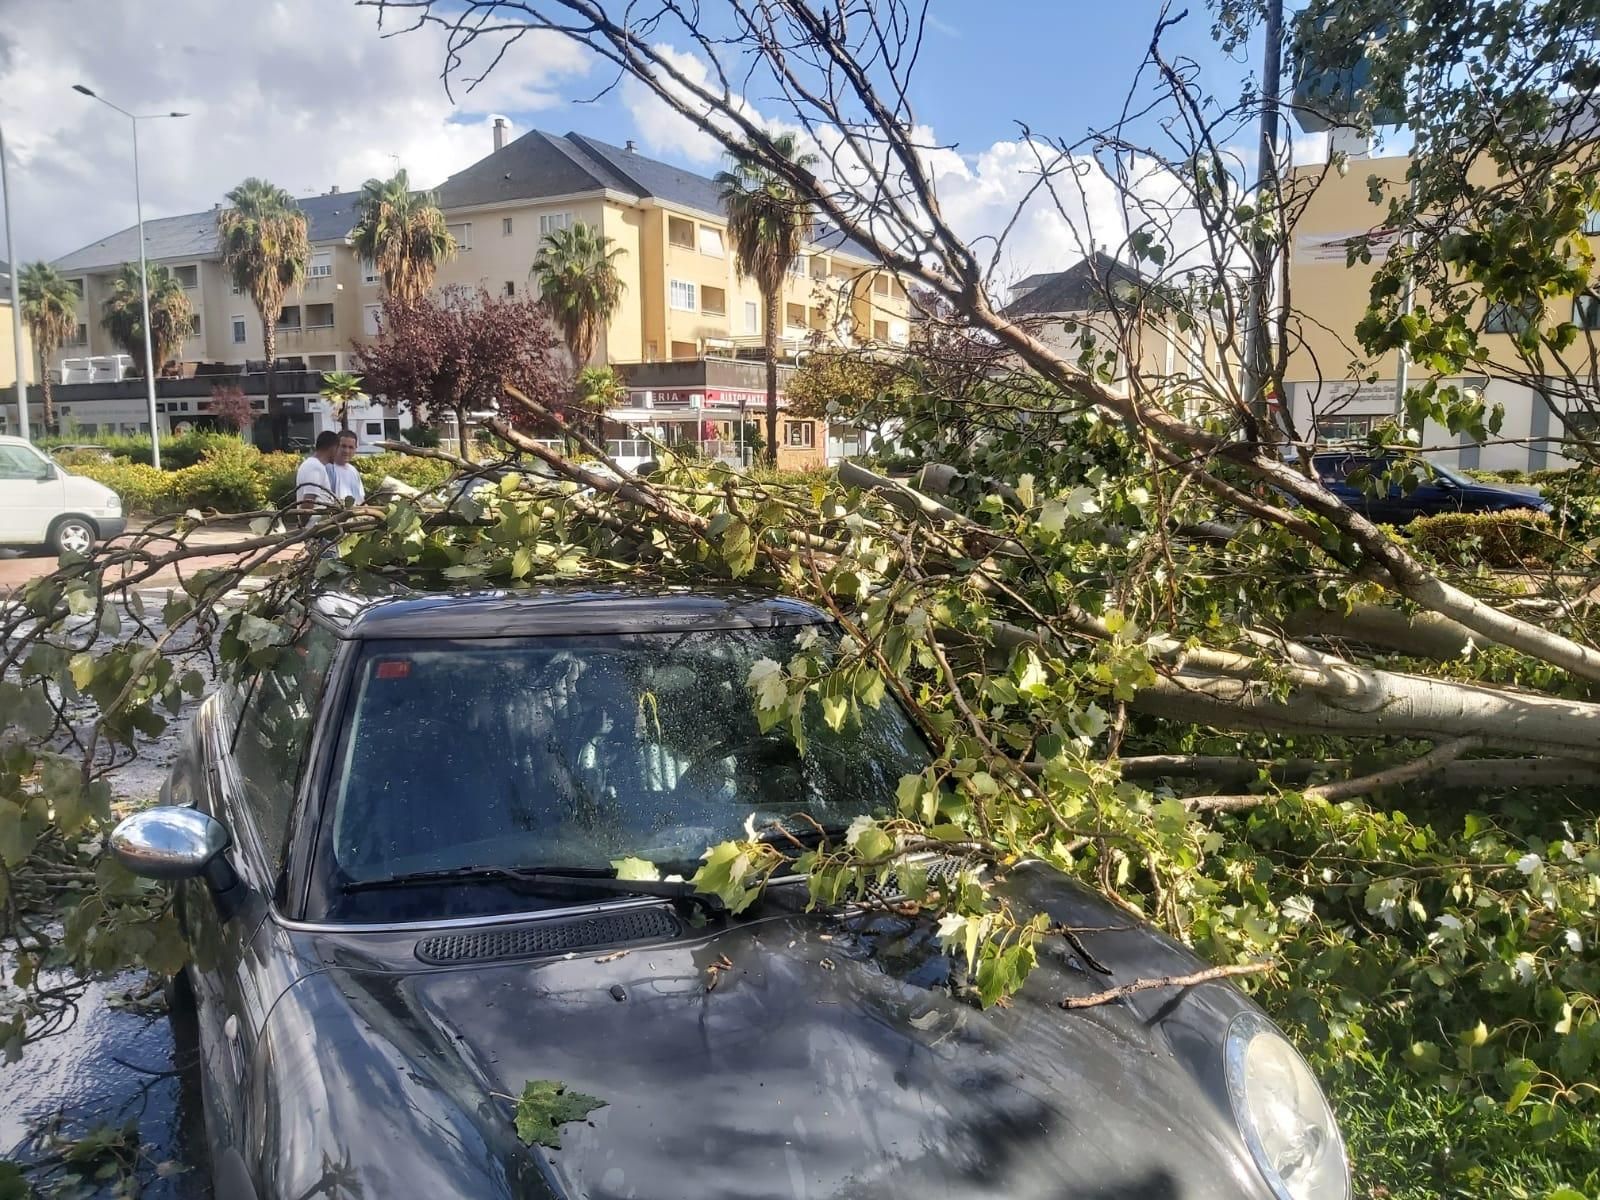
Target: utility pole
{"x": 1258, "y": 332}
{"x": 16, "y": 298}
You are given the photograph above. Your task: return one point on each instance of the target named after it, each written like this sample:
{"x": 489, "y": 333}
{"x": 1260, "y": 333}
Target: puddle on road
{"x": 114, "y": 1066}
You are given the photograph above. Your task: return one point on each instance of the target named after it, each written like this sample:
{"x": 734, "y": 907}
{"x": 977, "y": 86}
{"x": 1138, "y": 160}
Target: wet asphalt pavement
{"x": 120, "y": 1062}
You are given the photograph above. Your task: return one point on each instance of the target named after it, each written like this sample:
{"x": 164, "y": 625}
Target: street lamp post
{"x": 16, "y": 298}
{"x": 150, "y": 366}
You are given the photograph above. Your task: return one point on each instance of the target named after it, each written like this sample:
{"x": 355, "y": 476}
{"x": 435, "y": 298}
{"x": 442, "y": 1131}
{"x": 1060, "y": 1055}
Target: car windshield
{"x": 574, "y": 751}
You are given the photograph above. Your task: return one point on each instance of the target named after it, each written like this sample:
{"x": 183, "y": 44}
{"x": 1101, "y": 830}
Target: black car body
{"x": 370, "y": 1042}
{"x": 1368, "y": 483}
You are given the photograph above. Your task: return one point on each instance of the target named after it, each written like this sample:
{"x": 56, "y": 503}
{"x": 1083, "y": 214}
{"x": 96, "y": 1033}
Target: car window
{"x": 1333, "y": 468}
{"x": 274, "y": 730}
{"x": 17, "y": 462}
{"x": 578, "y": 751}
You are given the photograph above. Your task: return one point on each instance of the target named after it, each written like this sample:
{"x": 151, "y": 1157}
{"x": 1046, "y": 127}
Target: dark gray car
{"x": 395, "y": 842}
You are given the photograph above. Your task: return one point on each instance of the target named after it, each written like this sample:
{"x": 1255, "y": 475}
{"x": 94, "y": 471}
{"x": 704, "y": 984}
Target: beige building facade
{"x": 1337, "y": 391}
{"x": 683, "y": 299}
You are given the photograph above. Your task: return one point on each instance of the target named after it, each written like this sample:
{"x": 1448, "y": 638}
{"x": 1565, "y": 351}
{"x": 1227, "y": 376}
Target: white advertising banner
{"x": 1335, "y": 247}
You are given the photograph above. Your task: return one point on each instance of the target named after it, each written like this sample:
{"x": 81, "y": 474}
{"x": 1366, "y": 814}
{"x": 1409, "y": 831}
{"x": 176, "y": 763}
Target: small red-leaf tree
{"x": 231, "y": 408}
{"x": 459, "y": 350}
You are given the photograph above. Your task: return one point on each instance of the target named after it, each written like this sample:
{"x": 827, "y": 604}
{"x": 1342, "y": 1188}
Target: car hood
{"x": 830, "y": 1059}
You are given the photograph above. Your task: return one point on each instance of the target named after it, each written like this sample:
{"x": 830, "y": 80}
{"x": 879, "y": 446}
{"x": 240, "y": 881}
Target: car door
{"x": 251, "y": 740}
{"x": 30, "y": 495}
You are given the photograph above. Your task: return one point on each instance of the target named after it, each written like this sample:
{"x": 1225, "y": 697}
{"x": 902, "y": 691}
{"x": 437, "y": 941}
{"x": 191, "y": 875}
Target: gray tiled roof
{"x": 545, "y": 164}
{"x": 1079, "y": 288}
{"x": 534, "y": 165}
{"x": 194, "y": 235}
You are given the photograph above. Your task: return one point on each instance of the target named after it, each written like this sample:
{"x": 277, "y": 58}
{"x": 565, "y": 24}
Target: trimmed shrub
{"x": 1520, "y": 537}
{"x": 141, "y": 487}
{"x": 421, "y": 473}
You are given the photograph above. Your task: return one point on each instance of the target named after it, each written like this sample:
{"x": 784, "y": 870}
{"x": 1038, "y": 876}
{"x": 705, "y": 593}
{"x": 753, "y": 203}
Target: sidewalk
{"x": 18, "y": 567}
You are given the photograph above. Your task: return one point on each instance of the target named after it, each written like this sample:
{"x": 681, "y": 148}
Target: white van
{"x": 42, "y": 505}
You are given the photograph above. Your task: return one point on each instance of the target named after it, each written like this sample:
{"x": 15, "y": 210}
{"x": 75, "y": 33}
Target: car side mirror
{"x": 47, "y": 472}
{"x": 171, "y": 842}
{"x": 1445, "y": 482}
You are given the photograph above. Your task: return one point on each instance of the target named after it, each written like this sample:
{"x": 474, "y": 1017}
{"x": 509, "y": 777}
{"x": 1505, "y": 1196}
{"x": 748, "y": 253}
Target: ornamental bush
{"x": 1512, "y": 539}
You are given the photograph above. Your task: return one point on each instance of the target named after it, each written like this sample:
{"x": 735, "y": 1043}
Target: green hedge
{"x": 231, "y": 476}
{"x": 179, "y": 451}
{"x": 1503, "y": 539}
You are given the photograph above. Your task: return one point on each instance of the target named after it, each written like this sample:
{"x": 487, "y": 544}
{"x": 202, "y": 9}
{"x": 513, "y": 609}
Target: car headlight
{"x": 1282, "y": 1113}
{"x": 114, "y": 504}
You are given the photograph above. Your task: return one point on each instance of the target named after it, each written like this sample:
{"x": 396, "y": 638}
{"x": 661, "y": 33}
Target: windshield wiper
{"x": 594, "y": 879}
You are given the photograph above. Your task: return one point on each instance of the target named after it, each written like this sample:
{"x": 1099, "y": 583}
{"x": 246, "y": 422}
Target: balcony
{"x": 700, "y": 374}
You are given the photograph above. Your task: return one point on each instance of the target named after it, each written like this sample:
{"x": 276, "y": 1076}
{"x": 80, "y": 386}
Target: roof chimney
{"x": 334, "y": 190}
{"x": 629, "y": 146}
{"x": 499, "y": 133}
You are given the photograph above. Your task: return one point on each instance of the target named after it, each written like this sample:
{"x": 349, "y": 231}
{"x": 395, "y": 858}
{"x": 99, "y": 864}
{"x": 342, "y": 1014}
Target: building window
{"x": 880, "y": 285}
{"x": 321, "y": 265}
{"x": 880, "y": 331}
{"x": 1586, "y": 311}
{"x": 371, "y": 314}
{"x": 505, "y": 226}
{"x": 374, "y": 428}
{"x": 1504, "y": 317}
{"x": 319, "y": 316}
{"x": 683, "y": 350}
{"x": 323, "y": 362}
{"x": 369, "y": 273}
{"x": 714, "y": 300}
{"x": 801, "y": 435}
{"x": 239, "y": 333}
{"x": 680, "y": 232}
{"x": 797, "y": 267}
{"x": 683, "y": 296}
{"x": 511, "y": 288}
{"x": 711, "y": 241}
{"x": 1344, "y": 429}
{"x": 77, "y": 287}
{"x": 234, "y": 289}
{"x": 899, "y": 332}
{"x": 550, "y": 222}
{"x": 82, "y": 336}
{"x": 462, "y": 233}
{"x": 752, "y": 317}
{"x": 819, "y": 266}
{"x": 188, "y": 277}
{"x": 794, "y": 316}
{"x": 194, "y": 325}
{"x": 289, "y": 317}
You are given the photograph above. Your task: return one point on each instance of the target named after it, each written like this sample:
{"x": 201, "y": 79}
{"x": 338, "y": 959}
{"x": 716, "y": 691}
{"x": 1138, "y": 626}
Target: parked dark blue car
{"x": 1356, "y": 477}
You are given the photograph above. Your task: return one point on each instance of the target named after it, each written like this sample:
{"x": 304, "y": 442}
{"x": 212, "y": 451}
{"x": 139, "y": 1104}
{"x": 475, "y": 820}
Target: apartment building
{"x": 683, "y": 300}
{"x": 1339, "y": 391}
{"x": 1100, "y": 295}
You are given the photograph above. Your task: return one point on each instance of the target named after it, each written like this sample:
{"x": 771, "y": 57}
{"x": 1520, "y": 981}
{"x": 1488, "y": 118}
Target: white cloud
{"x": 303, "y": 92}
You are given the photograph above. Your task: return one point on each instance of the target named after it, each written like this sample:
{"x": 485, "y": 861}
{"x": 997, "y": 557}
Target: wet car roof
{"x": 555, "y": 611}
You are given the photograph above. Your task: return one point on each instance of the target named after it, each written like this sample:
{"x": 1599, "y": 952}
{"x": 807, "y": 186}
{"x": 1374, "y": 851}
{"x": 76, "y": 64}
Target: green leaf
{"x": 873, "y": 843}
{"x": 635, "y": 868}
{"x": 546, "y": 1105}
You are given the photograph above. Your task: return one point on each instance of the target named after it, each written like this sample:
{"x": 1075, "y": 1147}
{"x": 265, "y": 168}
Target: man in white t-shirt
{"x": 316, "y": 482}
{"x": 347, "y": 485}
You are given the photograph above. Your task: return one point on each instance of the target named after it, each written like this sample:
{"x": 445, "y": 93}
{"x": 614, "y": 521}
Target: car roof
{"x": 543, "y": 612}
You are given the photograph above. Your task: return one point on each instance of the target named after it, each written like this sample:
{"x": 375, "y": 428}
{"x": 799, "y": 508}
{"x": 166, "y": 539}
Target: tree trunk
{"x": 461, "y": 432}
{"x": 1362, "y": 702}
{"x": 44, "y": 387}
{"x": 269, "y": 343}
{"x": 771, "y": 453}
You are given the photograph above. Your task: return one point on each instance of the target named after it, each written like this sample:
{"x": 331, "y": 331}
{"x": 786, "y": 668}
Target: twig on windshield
{"x": 1209, "y": 975}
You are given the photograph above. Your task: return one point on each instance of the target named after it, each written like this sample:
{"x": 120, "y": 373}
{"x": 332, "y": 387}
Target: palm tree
{"x": 403, "y": 234}
{"x": 50, "y": 307}
{"x": 576, "y": 273}
{"x": 265, "y": 248}
{"x": 343, "y": 389}
{"x": 767, "y": 222}
{"x": 171, "y": 315}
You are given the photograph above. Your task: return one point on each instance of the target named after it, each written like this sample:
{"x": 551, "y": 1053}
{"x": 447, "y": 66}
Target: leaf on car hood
{"x": 546, "y": 1106}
